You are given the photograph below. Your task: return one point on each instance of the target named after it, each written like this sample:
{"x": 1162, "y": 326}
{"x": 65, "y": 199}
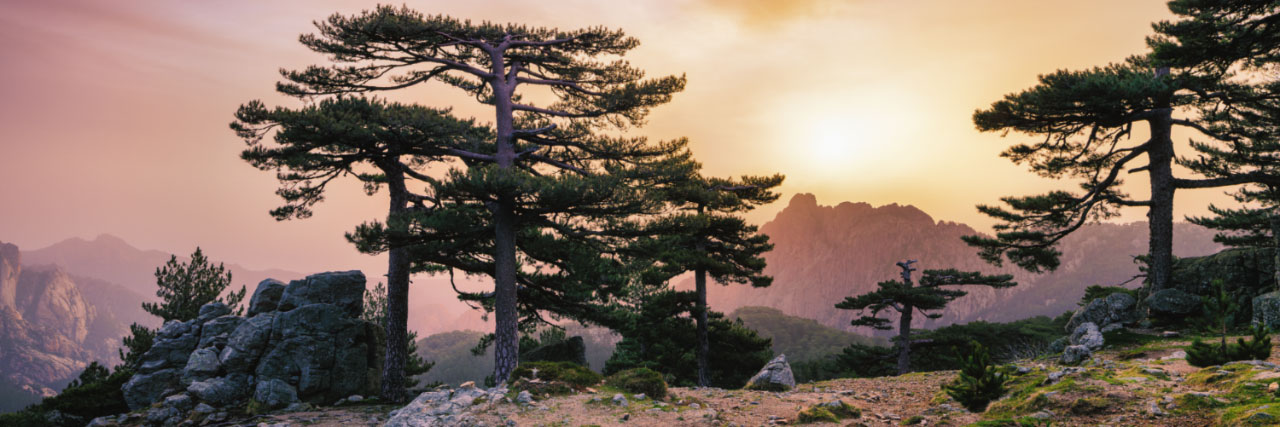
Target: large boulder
{"x": 212, "y": 310}
{"x": 774, "y": 376}
{"x": 202, "y": 364}
{"x": 143, "y": 389}
{"x": 1266, "y": 310}
{"x": 247, "y": 343}
{"x": 1118, "y": 307}
{"x": 329, "y": 354}
{"x": 1075, "y": 354}
{"x": 344, "y": 289}
{"x": 275, "y": 394}
{"x": 446, "y": 407}
{"x": 266, "y": 297}
{"x": 222, "y": 391}
{"x": 1172, "y": 302}
{"x": 216, "y": 332}
{"x": 1087, "y": 335}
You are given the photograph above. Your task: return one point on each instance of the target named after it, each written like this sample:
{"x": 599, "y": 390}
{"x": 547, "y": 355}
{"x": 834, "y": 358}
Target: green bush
{"x": 979, "y": 382}
{"x": 828, "y": 412}
{"x": 571, "y": 373}
{"x": 1258, "y": 347}
{"x": 93, "y": 394}
{"x": 639, "y": 380}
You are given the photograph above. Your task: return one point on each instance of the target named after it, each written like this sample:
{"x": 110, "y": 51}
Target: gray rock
{"x": 181, "y": 401}
{"x": 215, "y": 332}
{"x": 524, "y": 397}
{"x": 1088, "y": 335}
{"x": 275, "y": 394}
{"x": 212, "y": 310}
{"x": 106, "y": 421}
{"x": 331, "y": 355}
{"x": 344, "y": 289}
{"x": 164, "y": 416}
{"x": 202, "y": 364}
{"x": 1111, "y": 327}
{"x": 1115, "y": 308}
{"x": 57, "y": 417}
{"x": 1076, "y": 354}
{"x": 1173, "y": 302}
{"x": 203, "y": 409}
{"x": 1055, "y": 376}
{"x": 144, "y": 389}
{"x": 266, "y": 297}
{"x": 247, "y": 343}
{"x": 221, "y": 391}
{"x": 444, "y": 407}
{"x": 1266, "y": 310}
{"x": 775, "y": 375}
{"x": 640, "y": 396}
{"x": 619, "y": 399}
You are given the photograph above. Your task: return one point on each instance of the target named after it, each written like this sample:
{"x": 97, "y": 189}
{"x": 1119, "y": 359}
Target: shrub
{"x": 1258, "y": 347}
{"x": 573, "y": 374}
{"x": 828, "y": 412}
{"x": 93, "y": 394}
{"x": 979, "y": 382}
{"x": 639, "y": 380}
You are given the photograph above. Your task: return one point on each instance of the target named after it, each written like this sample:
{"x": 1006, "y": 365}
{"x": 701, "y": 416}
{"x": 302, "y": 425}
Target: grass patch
{"x": 570, "y": 373}
{"x": 828, "y": 412}
{"x": 639, "y": 380}
{"x": 1258, "y": 414}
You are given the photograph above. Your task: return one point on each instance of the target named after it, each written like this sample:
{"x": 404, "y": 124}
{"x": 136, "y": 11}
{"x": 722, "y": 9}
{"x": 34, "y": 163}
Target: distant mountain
{"x": 54, "y": 324}
{"x": 825, "y": 253}
{"x": 111, "y": 259}
{"x": 797, "y": 337}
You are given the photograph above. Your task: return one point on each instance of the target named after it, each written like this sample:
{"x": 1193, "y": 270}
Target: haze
{"x": 114, "y": 115}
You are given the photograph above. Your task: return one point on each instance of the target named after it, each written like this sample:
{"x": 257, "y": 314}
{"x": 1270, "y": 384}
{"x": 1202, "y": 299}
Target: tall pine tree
{"x": 906, "y": 298}
{"x": 551, "y": 169}
{"x": 1082, "y": 122}
{"x": 378, "y": 143}
{"x": 705, "y": 234}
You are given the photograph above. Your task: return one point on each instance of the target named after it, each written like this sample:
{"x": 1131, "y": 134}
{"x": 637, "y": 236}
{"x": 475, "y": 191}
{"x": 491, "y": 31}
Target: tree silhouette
{"x": 555, "y": 145}
{"x": 183, "y": 287}
{"x": 704, "y": 234}
{"x": 905, "y": 298}
{"x": 376, "y": 142}
{"x": 1194, "y": 77}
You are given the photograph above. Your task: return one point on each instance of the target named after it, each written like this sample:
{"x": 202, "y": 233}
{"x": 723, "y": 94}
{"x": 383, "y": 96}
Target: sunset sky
{"x": 113, "y": 115}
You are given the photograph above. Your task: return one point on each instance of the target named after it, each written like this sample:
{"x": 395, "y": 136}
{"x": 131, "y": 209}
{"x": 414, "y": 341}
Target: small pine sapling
{"x": 979, "y": 382}
{"x": 1258, "y": 347}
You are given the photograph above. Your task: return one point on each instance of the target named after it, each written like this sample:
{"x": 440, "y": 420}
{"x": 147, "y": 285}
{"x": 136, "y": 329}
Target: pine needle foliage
{"x": 979, "y": 382}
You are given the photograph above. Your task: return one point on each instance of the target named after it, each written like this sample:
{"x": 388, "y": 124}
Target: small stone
{"x": 625, "y": 417}
{"x": 640, "y": 396}
{"x": 619, "y": 399}
{"x": 355, "y": 398}
{"x": 468, "y": 384}
{"x": 695, "y": 406}
{"x": 1170, "y": 334}
{"x": 524, "y": 398}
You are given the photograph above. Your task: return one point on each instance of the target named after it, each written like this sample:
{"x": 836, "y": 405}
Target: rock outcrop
{"x": 1117, "y": 308}
{"x": 10, "y": 268}
{"x": 300, "y": 342}
{"x": 446, "y": 407}
{"x": 775, "y": 375}
{"x": 1266, "y": 310}
{"x": 1172, "y": 302}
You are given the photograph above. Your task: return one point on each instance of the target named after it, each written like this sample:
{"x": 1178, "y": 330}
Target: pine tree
{"x": 184, "y": 287}
{"x": 979, "y": 382}
{"x": 378, "y": 143}
{"x": 1082, "y": 122}
{"x": 553, "y": 172}
{"x": 706, "y": 235}
{"x": 905, "y": 298}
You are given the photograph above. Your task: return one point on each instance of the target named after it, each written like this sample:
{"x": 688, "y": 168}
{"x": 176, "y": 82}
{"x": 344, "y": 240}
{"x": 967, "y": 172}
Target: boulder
{"x": 1115, "y": 308}
{"x": 266, "y": 297}
{"x": 246, "y": 344}
{"x": 202, "y": 364}
{"x": 212, "y": 310}
{"x": 221, "y": 391}
{"x": 1087, "y": 335}
{"x": 774, "y": 376}
{"x": 1266, "y": 310}
{"x": 445, "y": 407}
{"x": 215, "y": 332}
{"x": 344, "y": 289}
{"x": 1173, "y": 302}
{"x": 329, "y": 354}
{"x": 275, "y": 394}
{"x": 1075, "y": 354}
{"x": 145, "y": 388}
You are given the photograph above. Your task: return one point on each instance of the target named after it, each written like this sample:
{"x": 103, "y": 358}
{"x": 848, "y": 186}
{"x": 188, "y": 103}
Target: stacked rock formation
{"x": 304, "y": 341}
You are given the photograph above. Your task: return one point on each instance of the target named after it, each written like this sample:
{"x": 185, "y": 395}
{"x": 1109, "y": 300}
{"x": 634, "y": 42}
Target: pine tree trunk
{"x": 1275, "y": 237}
{"x": 397, "y": 309}
{"x": 1160, "y": 214}
{"x": 704, "y": 345}
{"x": 904, "y": 340}
{"x": 506, "y": 336}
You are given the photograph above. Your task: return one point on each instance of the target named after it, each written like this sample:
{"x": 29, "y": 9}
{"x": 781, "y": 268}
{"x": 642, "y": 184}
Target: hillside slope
{"x": 825, "y": 253}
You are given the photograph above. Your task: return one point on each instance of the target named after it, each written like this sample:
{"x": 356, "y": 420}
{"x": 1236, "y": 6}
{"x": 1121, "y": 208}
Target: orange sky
{"x": 113, "y": 115}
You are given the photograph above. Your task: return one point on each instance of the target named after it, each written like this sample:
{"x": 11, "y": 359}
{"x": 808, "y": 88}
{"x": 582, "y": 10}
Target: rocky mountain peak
{"x": 49, "y": 297}
{"x": 10, "y": 269}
